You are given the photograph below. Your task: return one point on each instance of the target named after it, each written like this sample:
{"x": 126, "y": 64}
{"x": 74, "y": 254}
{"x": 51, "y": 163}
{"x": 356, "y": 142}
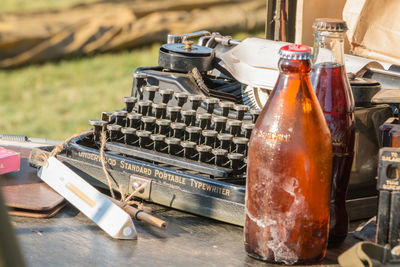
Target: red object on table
{"x": 9, "y": 161}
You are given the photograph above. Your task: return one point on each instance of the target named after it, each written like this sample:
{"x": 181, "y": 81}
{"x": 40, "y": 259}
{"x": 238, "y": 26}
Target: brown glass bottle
{"x": 333, "y": 91}
{"x": 289, "y": 170}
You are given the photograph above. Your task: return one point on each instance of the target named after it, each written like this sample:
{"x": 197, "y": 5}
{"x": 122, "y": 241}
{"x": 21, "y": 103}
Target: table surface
{"x": 71, "y": 239}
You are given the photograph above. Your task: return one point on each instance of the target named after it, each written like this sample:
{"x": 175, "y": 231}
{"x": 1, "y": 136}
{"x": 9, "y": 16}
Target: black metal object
{"x": 367, "y": 143}
{"x": 388, "y": 219}
{"x": 189, "y": 144}
{"x": 219, "y": 87}
{"x": 387, "y": 129}
{"x": 185, "y": 57}
{"x": 161, "y": 158}
{"x": 363, "y": 90}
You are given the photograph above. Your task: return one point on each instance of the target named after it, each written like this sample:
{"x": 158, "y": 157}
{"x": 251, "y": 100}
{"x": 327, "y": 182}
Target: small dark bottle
{"x": 334, "y": 93}
{"x": 289, "y": 169}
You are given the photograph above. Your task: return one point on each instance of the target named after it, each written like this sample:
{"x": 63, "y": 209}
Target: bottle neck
{"x": 287, "y": 66}
{"x": 328, "y": 47}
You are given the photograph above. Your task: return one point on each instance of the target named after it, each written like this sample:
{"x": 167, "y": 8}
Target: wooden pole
{"x": 140, "y": 215}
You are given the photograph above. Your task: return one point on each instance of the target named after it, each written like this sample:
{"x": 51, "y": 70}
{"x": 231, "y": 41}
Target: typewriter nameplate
{"x": 174, "y": 178}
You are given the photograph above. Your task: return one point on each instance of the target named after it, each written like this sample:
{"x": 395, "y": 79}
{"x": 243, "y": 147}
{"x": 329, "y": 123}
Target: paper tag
{"x": 101, "y": 210}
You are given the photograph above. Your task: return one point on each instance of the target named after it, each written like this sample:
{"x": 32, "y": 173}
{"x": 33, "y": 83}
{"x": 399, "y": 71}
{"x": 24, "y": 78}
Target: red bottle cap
{"x": 295, "y": 51}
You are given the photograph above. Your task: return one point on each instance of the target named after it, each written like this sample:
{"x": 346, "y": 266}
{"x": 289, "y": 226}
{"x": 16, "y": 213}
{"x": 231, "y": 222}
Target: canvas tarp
{"x": 111, "y": 26}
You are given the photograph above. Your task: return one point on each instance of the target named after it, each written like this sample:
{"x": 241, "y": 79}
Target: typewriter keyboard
{"x": 180, "y": 130}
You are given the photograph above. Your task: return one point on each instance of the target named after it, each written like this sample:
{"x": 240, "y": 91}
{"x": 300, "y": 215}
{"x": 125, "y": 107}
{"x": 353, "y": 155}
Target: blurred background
{"x": 64, "y": 62}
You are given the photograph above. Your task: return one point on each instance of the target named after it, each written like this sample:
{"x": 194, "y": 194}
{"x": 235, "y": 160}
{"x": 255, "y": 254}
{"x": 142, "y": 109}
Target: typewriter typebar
{"x": 192, "y": 144}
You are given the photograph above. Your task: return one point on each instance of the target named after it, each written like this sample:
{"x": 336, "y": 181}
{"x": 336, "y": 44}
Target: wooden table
{"x": 71, "y": 239}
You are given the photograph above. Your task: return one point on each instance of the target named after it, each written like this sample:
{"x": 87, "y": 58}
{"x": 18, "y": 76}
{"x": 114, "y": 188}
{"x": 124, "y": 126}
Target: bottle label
{"x": 274, "y": 137}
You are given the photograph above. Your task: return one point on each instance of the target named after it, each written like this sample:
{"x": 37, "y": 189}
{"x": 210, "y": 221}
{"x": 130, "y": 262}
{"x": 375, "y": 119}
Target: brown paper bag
{"x": 374, "y": 28}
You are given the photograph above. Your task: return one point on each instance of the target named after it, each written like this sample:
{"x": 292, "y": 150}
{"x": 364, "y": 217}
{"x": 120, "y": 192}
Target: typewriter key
{"x": 134, "y": 120}
{"x": 106, "y": 116}
{"x": 160, "y": 110}
{"x": 166, "y": 95}
{"x": 173, "y": 145}
{"x": 174, "y": 113}
{"x": 241, "y": 110}
{"x": 145, "y": 107}
{"x": 120, "y": 117}
{"x": 182, "y": 98}
{"x": 255, "y": 113}
{"x": 178, "y": 130}
{"x": 163, "y": 126}
{"x": 144, "y": 138}
{"x": 225, "y": 141}
{"x": 195, "y": 101}
{"x": 189, "y": 149}
{"x": 210, "y": 104}
{"x": 98, "y": 127}
{"x": 219, "y": 123}
{"x": 235, "y": 127}
{"x": 209, "y": 137}
{"x": 189, "y": 117}
{"x": 114, "y": 132}
{"x": 204, "y": 120}
{"x": 130, "y": 137}
{"x": 240, "y": 145}
{"x": 130, "y": 102}
{"x": 236, "y": 160}
{"x": 148, "y": 123}
{"x": 151, "y": 91}
{"x": 193, "y": 134}
{"x": 220, "y": 156}
{"x": 204, "y": 153}
{"x": 226, "y": 106}
{"x": 247, "y": 128}
{"x": 158, "y": 140}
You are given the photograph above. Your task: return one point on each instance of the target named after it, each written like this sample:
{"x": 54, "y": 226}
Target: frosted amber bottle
{"x": 289, "y": 170}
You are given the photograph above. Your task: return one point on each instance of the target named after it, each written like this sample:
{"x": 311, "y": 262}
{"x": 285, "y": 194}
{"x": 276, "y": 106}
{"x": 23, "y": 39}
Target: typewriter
{"x": 184, "y": 130}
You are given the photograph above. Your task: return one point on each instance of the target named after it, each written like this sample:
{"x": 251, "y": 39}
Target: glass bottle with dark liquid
{"x": 334, "y": 93}
{"x": 289, "y": 169}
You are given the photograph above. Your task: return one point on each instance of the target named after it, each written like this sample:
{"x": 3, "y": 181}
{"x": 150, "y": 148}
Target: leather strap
{"x": 367, "y": 254}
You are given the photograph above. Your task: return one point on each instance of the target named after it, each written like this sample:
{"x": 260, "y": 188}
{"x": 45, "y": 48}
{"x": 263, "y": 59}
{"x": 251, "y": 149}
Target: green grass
{"x": 55, "y": 100}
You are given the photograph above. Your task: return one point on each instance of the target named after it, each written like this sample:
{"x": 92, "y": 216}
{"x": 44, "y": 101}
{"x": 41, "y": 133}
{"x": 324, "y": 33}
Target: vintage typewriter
{"x": 184, "y": 130}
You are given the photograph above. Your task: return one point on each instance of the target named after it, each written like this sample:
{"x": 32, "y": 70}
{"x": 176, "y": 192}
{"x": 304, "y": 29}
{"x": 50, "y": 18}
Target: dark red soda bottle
{"x": 334, "y": 93}
{"x": 289, "y": 169}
